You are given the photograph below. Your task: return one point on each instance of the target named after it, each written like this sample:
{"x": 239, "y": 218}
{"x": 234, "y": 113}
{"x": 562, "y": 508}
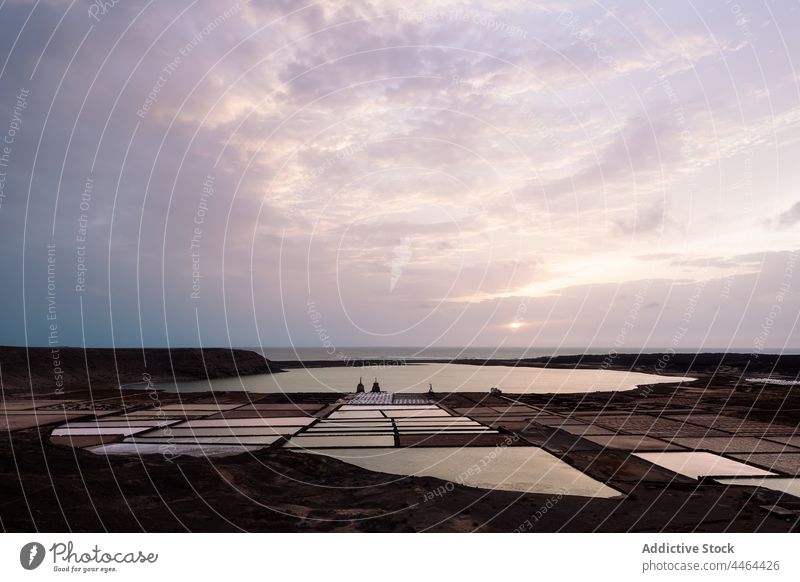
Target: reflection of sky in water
{"x": 698, "y": 464}
{"x": 444, "y": 377}
{"x": 524, "y": 469}
{"x": 790, "y": 486}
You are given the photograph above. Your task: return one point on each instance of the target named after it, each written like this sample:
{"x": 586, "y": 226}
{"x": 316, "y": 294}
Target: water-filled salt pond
{"x": 522, "y": 469}
{"x": 696, "y": 464}
{"x": 444, "y": 377}
{"x": 785, "y": 485}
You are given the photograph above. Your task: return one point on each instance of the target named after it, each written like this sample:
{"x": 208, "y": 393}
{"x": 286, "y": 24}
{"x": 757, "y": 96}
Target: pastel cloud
{"x": 501, "y": 152}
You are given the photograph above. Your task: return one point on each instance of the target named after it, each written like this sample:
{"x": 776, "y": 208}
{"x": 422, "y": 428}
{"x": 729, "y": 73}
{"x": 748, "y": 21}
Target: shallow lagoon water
{"x": 414, "y": 378}
{"x": 696, "y": 464}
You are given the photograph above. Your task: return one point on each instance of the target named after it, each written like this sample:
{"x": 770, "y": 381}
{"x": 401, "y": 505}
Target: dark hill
{"x": 47, "y": 370}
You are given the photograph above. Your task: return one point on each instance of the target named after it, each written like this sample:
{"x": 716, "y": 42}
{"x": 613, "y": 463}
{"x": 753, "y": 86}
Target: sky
{"x": 371, "y": 173}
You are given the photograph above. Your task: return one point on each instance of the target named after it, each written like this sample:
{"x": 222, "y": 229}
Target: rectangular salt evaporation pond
{"x": 310, "y": 442}
{"x": 445, "y": 424}
{"x": 153, "y": 413}
{"x": 348, "y": 439}
{"x": 355, "y": 434}
{"x": 356, "y": 422}
{"x": 436, "y": 420}
{"x": 434, "y": 432}
{"x": 356, "y": 429}
{"x": 522, "y": 469}
{"x": 192, "y": 450}
{"x": 354, "y": 414}
{"x": 702, "y": 464}
{"x": 445, "y": 429}
{"x": 211, "y": 440}
{"x": 285, "y": 406}
{"x": 200, "y": 407}
{"x": 228, "y": 431}
{"x": 98, "y": 431}
{"x": 254, "y": 421}
{"x": 347, "y": 407}
{"x": 415, "y": 379}
{"x": 352, "y": 426}
{"x": 416, "y": 413}
{"x": 118, "y": 423}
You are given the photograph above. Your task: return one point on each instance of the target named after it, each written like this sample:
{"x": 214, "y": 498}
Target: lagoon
{"x": 445, "y": 378}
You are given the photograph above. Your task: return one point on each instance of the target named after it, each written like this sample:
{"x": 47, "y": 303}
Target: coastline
{"x": 275, "y": 489}
{"x": 40, "y": 370}
{"x": 677, "y": 363}
{"x": 64, "y": 370}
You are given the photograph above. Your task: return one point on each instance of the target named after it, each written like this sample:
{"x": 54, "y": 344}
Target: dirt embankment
{"x": 46, "y": 370}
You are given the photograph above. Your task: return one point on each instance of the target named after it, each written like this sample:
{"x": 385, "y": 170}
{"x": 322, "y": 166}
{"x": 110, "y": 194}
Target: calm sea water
{"x": 445, "y": 353}
{"x": 417, "y": 377}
